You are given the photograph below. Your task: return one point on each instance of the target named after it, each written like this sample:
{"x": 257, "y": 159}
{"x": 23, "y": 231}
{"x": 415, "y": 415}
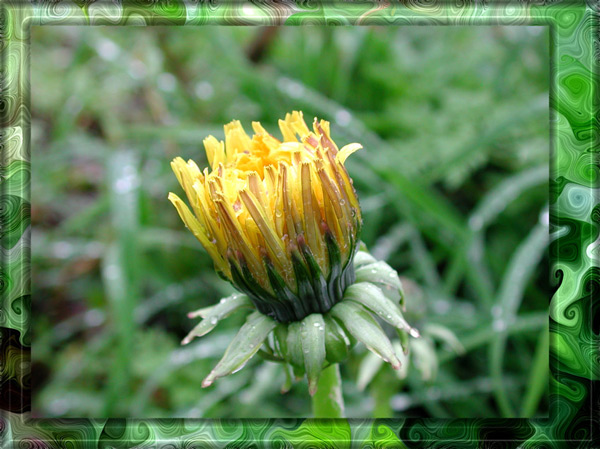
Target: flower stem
{"x": 328, "y": 401}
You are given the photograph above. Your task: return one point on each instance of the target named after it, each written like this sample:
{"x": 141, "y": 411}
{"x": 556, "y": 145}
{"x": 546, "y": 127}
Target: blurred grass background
{"x": 452, "y": 183}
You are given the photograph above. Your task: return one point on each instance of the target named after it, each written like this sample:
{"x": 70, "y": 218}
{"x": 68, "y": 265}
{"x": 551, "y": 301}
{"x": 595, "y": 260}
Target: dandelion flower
{"x": 281, "y": 221}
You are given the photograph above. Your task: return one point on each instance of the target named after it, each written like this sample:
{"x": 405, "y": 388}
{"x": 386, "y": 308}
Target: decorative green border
{"x": 575, "y": 216}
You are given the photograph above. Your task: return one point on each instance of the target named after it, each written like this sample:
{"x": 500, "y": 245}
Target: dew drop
{"x": 342, "y": 202}
{"x": 238, "y": 369}
{"x": 499, "y": 325}
{"x": 213, "y": 320}
{"x": 316, "y": 325}
{"x": 237, "y": 206}
{"x": 223, "y": 300}
{"x": 496, "y": 311}
{"x": 278, "y": 213}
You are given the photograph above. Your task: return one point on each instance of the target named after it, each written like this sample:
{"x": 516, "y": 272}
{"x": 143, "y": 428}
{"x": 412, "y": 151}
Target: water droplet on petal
{"x": 213, "y": 320}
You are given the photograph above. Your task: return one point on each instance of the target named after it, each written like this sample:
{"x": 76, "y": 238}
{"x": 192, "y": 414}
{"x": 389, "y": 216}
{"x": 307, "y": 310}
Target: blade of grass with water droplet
{"x": 444, "y": 335}
{"x": 121, "y": 265}
{"x": 520, "y": 268}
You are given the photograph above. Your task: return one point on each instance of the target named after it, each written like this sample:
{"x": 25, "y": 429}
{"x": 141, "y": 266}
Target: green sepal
{"x": 363, "y": 258}
{"x": 283, "y": 312}
{"x": 384, "y": 277}
{"x": 287, "y": 385}
{"x": 312, "y": 333}
{"x": 280, "y": 333}
{"x": 283, "y": 293}
{"x": 303, "y": 283}
{"x": 362, "y": 325}
{"x": 403, "y": 340}
{"x": 212, "y": 315}
{"x": 240, "y": 283}
{"x": 294, "y": 347}
{"x": 371, "y": 297}
{"x": 337, "y": 343}
{"x": 348, "y": 276}
{"x": 402, "y": 373}
{"x": 335, "y": 268}
{"x": 244, "y": 345}
{"x": 318, "y": 281}
{"x": 266, "y": 355}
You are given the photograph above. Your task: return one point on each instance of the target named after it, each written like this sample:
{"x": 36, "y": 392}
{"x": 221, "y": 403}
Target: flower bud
{"x": 280, "y": 219}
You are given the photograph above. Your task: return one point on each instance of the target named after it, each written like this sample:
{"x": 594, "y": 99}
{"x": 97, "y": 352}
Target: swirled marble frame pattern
{"x": 574, "y": 228}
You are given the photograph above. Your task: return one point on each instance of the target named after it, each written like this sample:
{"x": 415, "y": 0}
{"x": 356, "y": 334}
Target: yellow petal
{"x": 347, "y": 151}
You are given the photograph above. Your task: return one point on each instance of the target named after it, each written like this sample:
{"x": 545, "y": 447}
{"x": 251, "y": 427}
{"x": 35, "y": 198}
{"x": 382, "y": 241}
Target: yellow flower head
{"x": 280, "y": 219}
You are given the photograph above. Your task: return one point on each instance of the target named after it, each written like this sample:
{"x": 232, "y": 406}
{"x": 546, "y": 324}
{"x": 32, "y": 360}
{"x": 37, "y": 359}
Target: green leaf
{"x": 212, "y": 315}
{"x": 371, "y": 297}
{"x": 244, "y": 345}
{"x": 312, "y": 332}
{"x": 361, "y": 324}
